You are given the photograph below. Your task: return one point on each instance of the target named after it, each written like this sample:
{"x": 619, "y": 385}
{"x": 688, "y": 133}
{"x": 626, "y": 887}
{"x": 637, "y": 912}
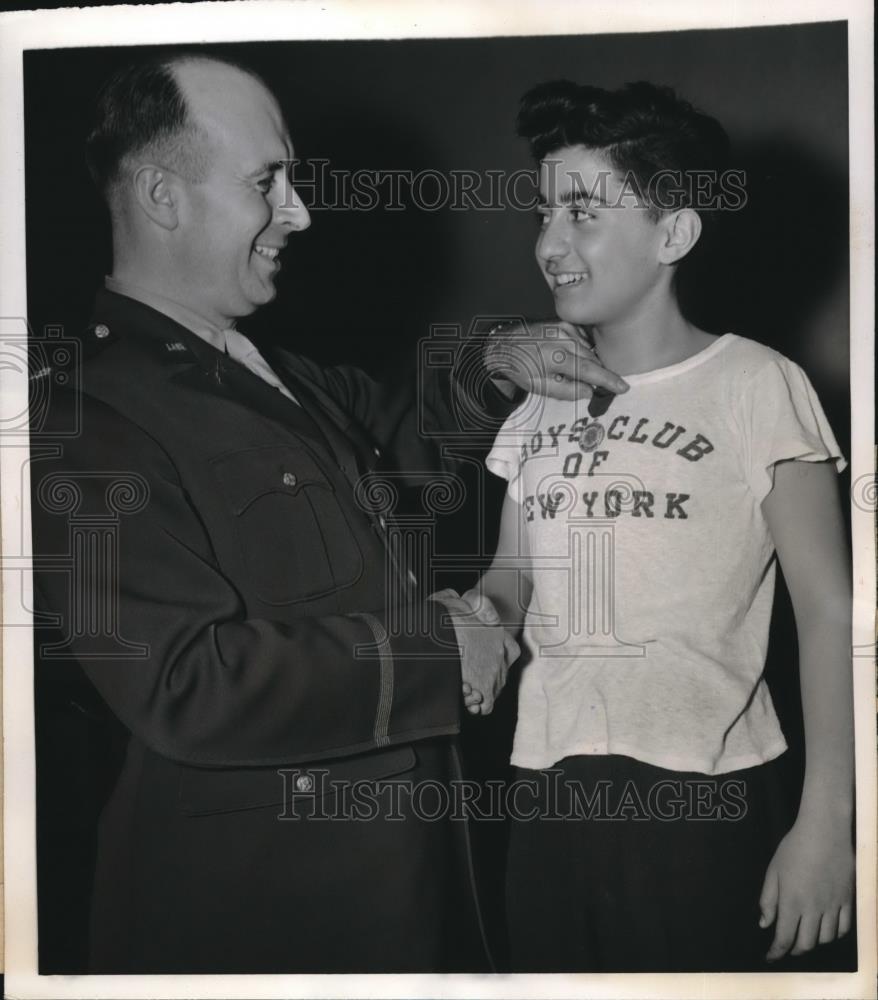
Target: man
{"x": 247, "y": 642}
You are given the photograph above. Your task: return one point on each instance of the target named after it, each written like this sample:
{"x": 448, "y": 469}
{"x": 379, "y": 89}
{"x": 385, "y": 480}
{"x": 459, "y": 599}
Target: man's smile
{"x": 270, "y": 253}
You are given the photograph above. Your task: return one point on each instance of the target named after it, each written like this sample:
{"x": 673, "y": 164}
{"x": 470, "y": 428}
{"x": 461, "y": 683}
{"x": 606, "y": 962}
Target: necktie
{"x": 244, "y": 351}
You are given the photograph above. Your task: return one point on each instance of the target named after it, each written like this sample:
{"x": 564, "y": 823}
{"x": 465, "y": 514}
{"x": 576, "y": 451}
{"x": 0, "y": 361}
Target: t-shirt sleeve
{"x": 784, "y": 421}
{"x": 504, "y": 459}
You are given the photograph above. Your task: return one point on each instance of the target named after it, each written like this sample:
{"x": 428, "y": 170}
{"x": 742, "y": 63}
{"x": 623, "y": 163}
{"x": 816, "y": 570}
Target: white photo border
{"x": 274, "y": 20}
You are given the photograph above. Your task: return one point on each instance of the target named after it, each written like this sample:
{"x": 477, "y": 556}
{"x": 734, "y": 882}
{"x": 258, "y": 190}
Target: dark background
{"x": 362, "y": 287}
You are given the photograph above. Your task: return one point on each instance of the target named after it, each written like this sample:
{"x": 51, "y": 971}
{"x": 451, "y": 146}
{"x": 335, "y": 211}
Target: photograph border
{"x": 277, "y": 20}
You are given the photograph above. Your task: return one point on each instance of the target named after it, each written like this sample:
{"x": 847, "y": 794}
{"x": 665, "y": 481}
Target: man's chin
{"x": 259, "y": 297}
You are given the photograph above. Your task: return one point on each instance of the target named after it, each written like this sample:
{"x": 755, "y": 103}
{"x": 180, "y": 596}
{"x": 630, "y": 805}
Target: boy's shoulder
{"x": 745, "y": 359}
{"x": 745, "y": 351}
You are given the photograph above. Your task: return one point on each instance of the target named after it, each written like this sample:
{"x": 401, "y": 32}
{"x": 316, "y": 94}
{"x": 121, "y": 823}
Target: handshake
{"x": 487, "y": 649}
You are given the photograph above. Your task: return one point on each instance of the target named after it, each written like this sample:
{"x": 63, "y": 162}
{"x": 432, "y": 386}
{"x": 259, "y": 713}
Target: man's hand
{"x": 548, "y": 358}
{"x": 486, "y": 648}
{"x": 808, "y": 887}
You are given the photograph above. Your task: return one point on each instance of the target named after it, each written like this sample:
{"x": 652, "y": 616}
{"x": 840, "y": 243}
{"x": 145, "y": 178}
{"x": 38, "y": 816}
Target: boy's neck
{"x": 655, "y": 337}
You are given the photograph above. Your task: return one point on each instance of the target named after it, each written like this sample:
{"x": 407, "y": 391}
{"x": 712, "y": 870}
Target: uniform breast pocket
{"x": 295, "y": 541}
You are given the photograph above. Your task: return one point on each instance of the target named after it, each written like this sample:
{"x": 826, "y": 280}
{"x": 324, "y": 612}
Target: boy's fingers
{"x": 467, "y": 688}
{"x": 768, "y": 899}
{"x": 784, "y": 935}
{"x": 828, "y": 927}
{"x": 511, "y": 650}
{"x": 806, "y": 938}
{"x": 845, "y": 918}
{"x": 473, "y": 709}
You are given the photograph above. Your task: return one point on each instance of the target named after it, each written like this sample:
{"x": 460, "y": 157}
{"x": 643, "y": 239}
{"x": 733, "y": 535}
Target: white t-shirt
{"x": 653, "y": 567}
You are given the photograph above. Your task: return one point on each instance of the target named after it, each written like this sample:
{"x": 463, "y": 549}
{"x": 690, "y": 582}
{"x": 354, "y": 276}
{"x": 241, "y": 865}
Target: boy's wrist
{"x": 826, "y": 807}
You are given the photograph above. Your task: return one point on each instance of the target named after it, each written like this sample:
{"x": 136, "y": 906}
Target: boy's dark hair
{"x": 140, "y": 108}
{"x": 655, "y": 141}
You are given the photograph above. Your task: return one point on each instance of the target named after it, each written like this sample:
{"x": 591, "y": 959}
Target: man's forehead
{"x": 229, "y": 101}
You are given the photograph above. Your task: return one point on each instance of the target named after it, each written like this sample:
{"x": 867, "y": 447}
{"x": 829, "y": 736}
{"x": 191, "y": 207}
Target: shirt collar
{"x": 201, "y": 327}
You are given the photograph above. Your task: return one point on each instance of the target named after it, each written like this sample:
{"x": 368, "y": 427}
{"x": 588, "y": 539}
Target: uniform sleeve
{"x": 162, "y": 633}
{"x": 783, "y": 420}
{"x": 504, "y": 459}
{"x": 441, "y": 397}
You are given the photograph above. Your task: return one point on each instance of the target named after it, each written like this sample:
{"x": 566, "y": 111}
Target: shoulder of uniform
{"x": 56, "y": 357}
{"x": 96, "y": 338}
{"x": 167, "y": 350}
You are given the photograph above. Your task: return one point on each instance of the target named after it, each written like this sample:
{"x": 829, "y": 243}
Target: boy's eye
{"x": 581, "y": 214}
{"x": 542, "y": 219}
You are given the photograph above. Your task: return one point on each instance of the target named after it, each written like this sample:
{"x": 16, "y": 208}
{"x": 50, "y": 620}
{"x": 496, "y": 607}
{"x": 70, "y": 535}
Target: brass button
{"x": 304, "y": 783}
{"x": 382, "y": 520}
{"x": 102, "y": 331}
{"x": 289, "y": 479}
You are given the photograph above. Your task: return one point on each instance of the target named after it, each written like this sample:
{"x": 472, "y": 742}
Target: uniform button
{"x": 304, "y": 783}
{"x": 289, "y": 479}
{"x": 376, "y": 452}
{"x": 102, "y": 331}
{"x": 413, "y": 580}
{"x": 382, "y": 520}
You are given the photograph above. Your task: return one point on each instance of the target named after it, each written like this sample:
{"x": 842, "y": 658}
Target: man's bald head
{"x": 144, "y": 114}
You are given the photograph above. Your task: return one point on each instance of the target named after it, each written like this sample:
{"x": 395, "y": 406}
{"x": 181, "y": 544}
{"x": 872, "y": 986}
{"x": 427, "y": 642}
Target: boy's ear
{"x": 156, "y": 195}
{"x": 681, "y": 232}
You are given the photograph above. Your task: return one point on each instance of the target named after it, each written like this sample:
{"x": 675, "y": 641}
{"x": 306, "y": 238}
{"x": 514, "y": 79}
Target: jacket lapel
{"x": 193, "y": 362}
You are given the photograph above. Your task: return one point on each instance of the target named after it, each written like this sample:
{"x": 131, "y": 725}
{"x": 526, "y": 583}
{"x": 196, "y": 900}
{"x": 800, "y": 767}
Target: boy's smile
{"x": 566, "y": 278}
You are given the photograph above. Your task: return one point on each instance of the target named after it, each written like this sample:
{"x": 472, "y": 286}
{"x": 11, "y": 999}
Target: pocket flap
{"x": 247, "y": 475}
{"x": 204, "y": 791}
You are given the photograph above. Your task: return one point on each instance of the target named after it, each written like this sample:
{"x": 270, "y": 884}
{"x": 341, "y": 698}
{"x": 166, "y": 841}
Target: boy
{"x": 637, "y": 546}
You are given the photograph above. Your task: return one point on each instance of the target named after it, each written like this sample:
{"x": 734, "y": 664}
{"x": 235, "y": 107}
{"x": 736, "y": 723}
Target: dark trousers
{"x": 654, "y": 870}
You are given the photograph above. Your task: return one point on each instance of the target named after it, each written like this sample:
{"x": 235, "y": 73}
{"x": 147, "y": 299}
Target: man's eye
{"x": 581, "y": 214}
{"x": 265, "y": 184}
{"x": 542, "y": 219}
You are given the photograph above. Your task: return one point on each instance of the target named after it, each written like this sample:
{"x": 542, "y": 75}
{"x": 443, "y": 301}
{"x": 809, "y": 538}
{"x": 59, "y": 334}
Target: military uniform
{"x": 233, "y": 612}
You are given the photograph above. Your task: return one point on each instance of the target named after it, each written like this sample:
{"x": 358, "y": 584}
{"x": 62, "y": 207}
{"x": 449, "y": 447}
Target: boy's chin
{"x": 570, "y": 314}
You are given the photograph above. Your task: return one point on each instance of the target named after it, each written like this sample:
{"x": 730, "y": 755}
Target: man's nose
{"x": 291, "y": 212}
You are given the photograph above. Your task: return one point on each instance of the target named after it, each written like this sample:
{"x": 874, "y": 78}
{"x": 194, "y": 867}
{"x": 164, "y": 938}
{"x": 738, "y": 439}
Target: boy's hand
{"x": 809, "y": 887}
{"x": 484, "y": 609}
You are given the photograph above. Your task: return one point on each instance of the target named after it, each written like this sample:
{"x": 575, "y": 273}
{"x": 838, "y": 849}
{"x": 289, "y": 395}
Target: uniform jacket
{"x": 237, "y": 609}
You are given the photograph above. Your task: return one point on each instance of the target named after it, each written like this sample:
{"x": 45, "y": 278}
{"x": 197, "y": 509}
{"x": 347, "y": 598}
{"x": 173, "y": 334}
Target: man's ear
{"x": 156, "y": 195}
{"x": 681, "y": 232}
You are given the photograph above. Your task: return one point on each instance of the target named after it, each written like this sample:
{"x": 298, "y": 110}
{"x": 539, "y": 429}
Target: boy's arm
{"x": 503, "y": 592}
{"x": 809, "y": 883}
